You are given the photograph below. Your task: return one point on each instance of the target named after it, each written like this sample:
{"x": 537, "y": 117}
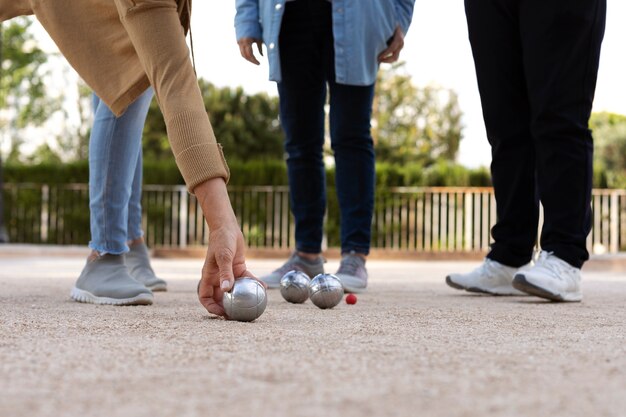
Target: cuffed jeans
{"x": 308, "y": 70}
{"x": 115, "y": 175}
{"x": 537, "y": 65}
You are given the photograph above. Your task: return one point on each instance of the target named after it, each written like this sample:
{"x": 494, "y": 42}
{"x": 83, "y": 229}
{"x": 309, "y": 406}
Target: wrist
{"x": 215, "y": 203}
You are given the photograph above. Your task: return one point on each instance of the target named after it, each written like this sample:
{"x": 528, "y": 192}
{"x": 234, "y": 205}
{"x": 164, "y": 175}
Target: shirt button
{"x": 278, "y": 6}
{"x": 340, "y": 10}
{"x": 272, "y": 45}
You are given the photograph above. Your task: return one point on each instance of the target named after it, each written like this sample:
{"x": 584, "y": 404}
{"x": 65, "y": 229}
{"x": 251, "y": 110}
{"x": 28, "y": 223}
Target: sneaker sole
{"x": 353, "y": 290}
{"x": 520, "y": 283}
{"x": 454, "y": 284}
{"x": 86, "y": 297}
{"x": 495, "y": 292}
{"x": 355, "y": 287}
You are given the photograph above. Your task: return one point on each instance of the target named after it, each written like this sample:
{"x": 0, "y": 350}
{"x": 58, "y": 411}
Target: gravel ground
{"x": 411, "y": 346}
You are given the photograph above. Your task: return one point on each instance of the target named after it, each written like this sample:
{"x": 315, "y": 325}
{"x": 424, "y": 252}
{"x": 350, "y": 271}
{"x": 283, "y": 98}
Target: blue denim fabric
{"x": 115, "y": 175}
{"x": 361, "y": 27}
{"x": 307, "y": 61}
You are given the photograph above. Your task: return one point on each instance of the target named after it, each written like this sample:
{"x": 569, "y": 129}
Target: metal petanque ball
{"x": 246, "y": 301}
{"x": 325, "y": 291}
{"x": 294, "y": 287}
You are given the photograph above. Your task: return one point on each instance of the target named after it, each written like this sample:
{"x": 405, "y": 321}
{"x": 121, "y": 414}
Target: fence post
{"x": 45, "y": 212}
{"x": 469, "y": 219}
{"x": 183, "y": 217}
{"x": 614, "y": 223}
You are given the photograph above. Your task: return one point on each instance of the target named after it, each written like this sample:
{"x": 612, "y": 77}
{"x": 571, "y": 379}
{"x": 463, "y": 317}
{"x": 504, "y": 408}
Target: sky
{"x": 436, "y": 52}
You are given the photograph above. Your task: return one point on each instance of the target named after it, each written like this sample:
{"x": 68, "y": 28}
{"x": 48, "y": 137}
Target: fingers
{"x": 213, "y": 307}
{"x": 210, "y": 297}
{"x": 388, "y": 56}
{"x": 246, "y": 51}
{"x": 224, "y": 260}
{"x": 258, "y": 46}
{"x": 392, "y": 53}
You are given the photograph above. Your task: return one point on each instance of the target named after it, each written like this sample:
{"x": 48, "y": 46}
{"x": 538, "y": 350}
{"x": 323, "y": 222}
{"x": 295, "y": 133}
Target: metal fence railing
{"x": 436, "y": 219}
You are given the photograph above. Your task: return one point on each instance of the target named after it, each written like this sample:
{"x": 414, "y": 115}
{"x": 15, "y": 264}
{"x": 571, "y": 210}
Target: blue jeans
{"x": 115, "y": 175}
{"x": 308, "y": 71}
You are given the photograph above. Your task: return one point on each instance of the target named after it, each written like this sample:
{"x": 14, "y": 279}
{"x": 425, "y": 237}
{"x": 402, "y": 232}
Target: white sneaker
{"x": 550, "y": 278}
{"x": 491, "y": 277}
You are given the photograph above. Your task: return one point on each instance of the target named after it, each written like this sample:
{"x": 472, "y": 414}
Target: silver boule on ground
{"x": 294, "y": 287}
{"x": 246, "y": 301}
{"x": 325, "y": 291}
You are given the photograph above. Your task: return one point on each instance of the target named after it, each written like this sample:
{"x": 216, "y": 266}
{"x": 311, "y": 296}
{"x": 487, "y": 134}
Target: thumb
{"x": 258, "y": 46}
{"x": 224, "y": 260}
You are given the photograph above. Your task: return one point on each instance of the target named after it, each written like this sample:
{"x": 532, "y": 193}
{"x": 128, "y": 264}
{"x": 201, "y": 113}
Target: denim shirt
{"x": 361, "y": 29}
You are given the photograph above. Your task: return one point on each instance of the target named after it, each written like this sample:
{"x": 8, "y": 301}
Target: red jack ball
{"x": 351, "y": 299}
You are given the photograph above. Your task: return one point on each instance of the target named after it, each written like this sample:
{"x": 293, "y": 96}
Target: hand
{"x": 225, "y": 259}
{"x": 246, "y": 50}
{"x": 392, "y": 53}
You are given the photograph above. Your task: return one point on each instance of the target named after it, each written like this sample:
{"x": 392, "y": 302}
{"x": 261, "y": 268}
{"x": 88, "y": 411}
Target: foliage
{"x": 23, "y": 98}
{"x": 413, "y": 124}
{"x": 74, "y": 142}
{"x": 255, "y": 172}
{"x": 247, "y": 126}
{"x": 609, "y": 133}
{"x": 155, "y": 143}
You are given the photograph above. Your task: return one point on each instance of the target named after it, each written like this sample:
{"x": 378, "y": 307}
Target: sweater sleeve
{"x": 198, "y": 155}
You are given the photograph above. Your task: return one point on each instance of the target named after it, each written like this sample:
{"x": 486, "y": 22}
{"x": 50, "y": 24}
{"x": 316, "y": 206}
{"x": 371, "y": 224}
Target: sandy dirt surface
{"x": 411, "y": 346}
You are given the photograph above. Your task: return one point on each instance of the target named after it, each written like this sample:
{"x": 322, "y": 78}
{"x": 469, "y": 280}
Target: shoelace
{"x": 488, "y": 268}
{"x": 555, "y": 266}
{"x": 349, "y": 265}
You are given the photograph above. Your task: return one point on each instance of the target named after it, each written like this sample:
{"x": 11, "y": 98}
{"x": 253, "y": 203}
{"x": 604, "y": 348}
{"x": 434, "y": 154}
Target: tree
{"x": 155, "y": 143}
{"x": 3, "y": 232}
{"x": 23, "y": 99}
{"x": 247, "y": 126}
{"x": 413, "y": 124}
{"x": 73, "y": 142}
{"x": 609, "y": 134}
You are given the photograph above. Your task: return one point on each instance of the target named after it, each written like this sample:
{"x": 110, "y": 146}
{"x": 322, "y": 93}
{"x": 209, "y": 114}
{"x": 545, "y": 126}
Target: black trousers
{"x": 537, "y": 64}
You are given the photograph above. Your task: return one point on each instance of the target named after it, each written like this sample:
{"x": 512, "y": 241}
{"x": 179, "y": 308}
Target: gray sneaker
{"x": 352, "y": 273}
{"x": 138, "y": 263}
{"x": 105, "y": 280}
{"x": 295, "y": 262}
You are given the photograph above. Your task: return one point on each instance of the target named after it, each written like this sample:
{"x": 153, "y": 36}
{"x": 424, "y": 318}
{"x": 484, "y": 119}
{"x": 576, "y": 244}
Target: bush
{"x": 266, "y": 172}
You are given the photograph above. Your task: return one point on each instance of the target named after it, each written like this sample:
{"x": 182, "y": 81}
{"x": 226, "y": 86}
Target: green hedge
{"x": 274, "y": 172}
{"x": 257, "y": 172}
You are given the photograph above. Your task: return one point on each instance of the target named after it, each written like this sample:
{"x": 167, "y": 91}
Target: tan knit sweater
{"x": 120, "y": 48}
